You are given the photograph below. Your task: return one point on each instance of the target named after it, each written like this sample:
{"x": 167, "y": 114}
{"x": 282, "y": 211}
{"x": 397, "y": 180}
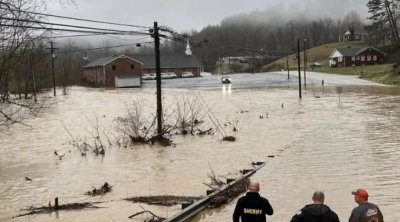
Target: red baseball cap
{"x": 361, "y": 193}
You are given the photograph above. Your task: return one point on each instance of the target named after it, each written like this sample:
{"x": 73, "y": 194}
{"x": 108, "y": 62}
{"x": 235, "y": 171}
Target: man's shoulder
{"x": 264, "y": 199}
{"x": 242, "y": 198}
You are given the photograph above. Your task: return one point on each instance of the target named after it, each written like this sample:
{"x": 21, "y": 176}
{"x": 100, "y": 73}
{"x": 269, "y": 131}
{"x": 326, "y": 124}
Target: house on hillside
{"x": 171, "y": 64}
{"x": 348, "y": 36}
{"x": 347, "y": 57}
{"x": 114, "y": 71}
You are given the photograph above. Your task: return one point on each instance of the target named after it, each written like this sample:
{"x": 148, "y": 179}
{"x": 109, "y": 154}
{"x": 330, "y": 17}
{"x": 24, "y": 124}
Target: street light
{"x": 85, "y": 57}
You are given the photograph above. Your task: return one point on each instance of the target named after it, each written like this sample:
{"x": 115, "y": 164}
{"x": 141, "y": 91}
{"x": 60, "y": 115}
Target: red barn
{"x": 347, "y": 57}
{"x": 114, "y": 71}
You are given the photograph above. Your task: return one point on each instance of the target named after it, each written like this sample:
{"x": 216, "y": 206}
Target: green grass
{"x": 382, "y": 73}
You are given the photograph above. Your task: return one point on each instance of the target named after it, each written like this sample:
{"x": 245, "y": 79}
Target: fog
{"x": 194, "y": 15}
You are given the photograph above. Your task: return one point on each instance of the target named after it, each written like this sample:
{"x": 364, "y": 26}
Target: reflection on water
{"x": 320, "y": 143}
{"x": 226, "y": 89}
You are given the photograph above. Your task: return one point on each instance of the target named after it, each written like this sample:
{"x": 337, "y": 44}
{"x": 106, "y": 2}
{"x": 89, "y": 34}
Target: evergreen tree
{"x": 382, "y": 16}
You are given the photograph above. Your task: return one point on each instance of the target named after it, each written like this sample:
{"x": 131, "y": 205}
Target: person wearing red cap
{"x": 366, "y": 211}
{"x": 316, "y": 211}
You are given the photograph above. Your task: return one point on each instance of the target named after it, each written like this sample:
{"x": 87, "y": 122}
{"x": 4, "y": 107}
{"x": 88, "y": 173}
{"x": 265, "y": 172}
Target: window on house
{"x": 369, "y": 58}
{"x": 374, "y": 57}
{"x": 132, "y": 66}
{"x": 340, "y": 59}
{"x": 363, "y": 58}
{"x": 358, "y": 57}
{"x": 353, "y": 58}
{"x": 113, "y": 67}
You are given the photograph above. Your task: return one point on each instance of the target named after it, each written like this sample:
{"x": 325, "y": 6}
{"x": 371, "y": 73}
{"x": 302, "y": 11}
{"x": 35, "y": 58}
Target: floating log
{"x": 49, "y": 209}
{"x": 163, "y": 200}
{"x": 229, "y": 138}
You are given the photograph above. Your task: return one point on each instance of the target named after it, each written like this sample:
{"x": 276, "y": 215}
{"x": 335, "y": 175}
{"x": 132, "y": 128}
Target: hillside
{"x": 382, "y": 73}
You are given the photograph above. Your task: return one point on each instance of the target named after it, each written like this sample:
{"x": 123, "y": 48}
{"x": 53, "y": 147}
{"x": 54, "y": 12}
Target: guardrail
{"x": 201, "y": 204}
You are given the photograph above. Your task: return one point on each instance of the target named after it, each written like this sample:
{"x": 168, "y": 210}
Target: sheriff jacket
{"x": 252, "y": 208}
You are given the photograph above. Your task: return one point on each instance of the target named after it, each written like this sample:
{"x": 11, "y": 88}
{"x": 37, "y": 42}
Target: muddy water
{"x": 319, "y": 143}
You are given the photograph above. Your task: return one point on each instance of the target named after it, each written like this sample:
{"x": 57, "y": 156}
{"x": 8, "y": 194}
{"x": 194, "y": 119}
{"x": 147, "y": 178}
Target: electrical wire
{"x": 70, "y": 30}
{"x": 74, "y": 18}
{"x": 73, "y": 26}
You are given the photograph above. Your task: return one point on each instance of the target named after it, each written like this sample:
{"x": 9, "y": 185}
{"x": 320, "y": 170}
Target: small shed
{"x": 114, "y": 71}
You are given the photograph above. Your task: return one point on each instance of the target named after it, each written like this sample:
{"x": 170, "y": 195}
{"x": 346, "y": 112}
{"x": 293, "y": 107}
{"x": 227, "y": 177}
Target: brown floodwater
{"x": 330, "y": 144}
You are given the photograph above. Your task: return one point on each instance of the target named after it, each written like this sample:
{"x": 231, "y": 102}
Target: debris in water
{"x": 154, "y": 218}
{"x": 229, "y": 138}
{"x": 227, "y": 195}
{"x": 163, "y": 200}
{"x": 49, "y": 209}
{"x": 106, "y": 188}
{"x": 28, "y": 179}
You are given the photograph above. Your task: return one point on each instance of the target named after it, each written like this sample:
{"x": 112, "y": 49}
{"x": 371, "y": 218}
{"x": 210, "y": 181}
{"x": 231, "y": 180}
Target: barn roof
{"x": 105, "y": 60}
{"x": 168, "y": 61}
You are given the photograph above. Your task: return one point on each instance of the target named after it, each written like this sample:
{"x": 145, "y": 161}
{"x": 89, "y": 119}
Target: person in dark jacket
{"x": 252, "y": 207}
{"x": 316, "y": 212}
{"x": 365, "y": 212}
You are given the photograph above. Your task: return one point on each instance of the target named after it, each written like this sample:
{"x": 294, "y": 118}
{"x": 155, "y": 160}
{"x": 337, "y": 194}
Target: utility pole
{"x": 53, "y": 56}
{"x": 33, "y": 78}
{"x": 287, "y": 67}
{"x": 298, "y": 65}
{"x": 156, "y": 36}
{"x": 252, "y": 61}
{"x": 305, "y": 62}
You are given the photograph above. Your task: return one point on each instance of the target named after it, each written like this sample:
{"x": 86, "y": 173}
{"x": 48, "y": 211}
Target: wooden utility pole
{"x": 33, "y": 78}
{"x": 53, "y": 56}
{"x": 298, "y": 65}
{"x": 252, "y": 61}
{"x": 305, "y": 62}
{"x": 287, "y": 67}
{"x": 156, "y": 36}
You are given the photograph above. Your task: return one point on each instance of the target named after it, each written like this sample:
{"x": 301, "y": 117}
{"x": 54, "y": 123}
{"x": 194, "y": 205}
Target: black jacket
{"x": 315, "y": 213}
{"x": 252, "y": 208}
{"x": 366, "y": 212}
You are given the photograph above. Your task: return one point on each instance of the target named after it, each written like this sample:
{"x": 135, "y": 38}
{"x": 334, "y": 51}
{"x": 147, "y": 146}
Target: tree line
{"x": 244, "y": 35}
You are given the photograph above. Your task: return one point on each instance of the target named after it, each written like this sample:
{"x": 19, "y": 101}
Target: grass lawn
{"x": 382, "y": 73}
{"x": 378, "y": 73}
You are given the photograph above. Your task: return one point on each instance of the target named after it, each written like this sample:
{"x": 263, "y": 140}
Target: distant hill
{"x": 388, "y": 73}
{"x": 318, "y": 54}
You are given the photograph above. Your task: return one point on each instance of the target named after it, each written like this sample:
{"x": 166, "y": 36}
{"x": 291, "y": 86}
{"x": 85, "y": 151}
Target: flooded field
{"x": 335, "y": 145}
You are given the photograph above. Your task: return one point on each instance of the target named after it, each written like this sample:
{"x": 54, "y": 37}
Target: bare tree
{"x": 14, "y": 43}
{"x": 353, "y": 23}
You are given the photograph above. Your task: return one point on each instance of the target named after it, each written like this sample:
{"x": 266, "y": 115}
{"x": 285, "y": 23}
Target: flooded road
{"x": 320, "y": 143}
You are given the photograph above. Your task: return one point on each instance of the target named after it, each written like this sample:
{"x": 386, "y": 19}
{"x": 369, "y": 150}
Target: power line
{"x": 70, "y": 30}
{"x": 108, "y": 47}
{"x": 74, "y": 18}
{"x": 94, "y": 49}
{"x": 74, "y": 26}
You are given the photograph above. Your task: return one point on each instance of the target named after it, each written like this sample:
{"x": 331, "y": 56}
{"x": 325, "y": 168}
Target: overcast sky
{"x": 186, "y": 15}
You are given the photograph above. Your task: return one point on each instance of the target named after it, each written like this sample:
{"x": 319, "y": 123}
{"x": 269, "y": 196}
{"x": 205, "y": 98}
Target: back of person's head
{"x": 360, "y": 195}
{"x": 318, "y": 197}
{"x": 254, "y": 186}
